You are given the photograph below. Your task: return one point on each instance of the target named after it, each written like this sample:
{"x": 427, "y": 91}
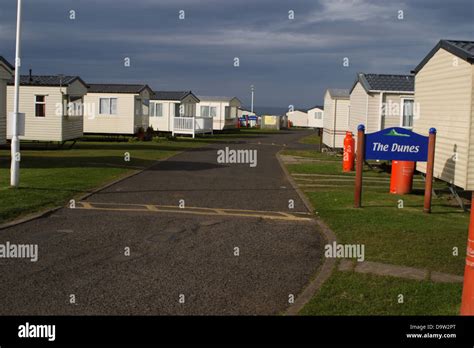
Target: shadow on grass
{"x": 49, "y": 189}
{"x": 125, "y": 146}
{"x": 30, "y": 162}
{"x": 33, "y": 162}
{"x": 449, "y": 208}
{"x": 457, "y": 212}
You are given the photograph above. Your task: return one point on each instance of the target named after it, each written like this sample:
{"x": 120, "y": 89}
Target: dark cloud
{"x": 290, "y": 62}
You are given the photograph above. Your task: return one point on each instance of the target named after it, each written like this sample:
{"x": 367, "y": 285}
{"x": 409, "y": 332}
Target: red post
{"x": 359, "y": 166}
{"x": 429, "y": 171}
{"x": 247, "y": 121}
{"x": 467, "y": 306}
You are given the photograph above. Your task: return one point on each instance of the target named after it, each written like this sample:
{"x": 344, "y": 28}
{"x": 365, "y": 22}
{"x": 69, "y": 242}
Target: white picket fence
{"x": 192, "y": 125}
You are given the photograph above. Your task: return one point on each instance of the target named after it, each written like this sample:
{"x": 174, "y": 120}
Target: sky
{"x": 290, "y": 59}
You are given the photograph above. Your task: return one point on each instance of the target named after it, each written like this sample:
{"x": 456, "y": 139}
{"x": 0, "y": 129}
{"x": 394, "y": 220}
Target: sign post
{"x": 395, "y": 144}
{"x": 359, "y": 165}
{"x": 429, "y": 171}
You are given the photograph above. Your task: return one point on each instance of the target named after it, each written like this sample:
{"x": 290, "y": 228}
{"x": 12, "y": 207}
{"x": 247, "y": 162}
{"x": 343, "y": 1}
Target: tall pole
{"x": 15, "y": 145}
{"x": 252, "y": 88}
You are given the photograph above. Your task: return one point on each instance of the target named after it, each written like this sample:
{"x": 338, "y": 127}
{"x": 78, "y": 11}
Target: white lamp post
{"x": 15, "y": 145}
{"x": 252, "y": 88}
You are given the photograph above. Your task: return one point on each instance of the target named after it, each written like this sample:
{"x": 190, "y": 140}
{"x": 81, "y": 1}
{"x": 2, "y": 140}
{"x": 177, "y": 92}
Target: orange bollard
{"x": 348, "y": 158}
{"x": 467, "y": 306}
{"x": 401, "y": 180}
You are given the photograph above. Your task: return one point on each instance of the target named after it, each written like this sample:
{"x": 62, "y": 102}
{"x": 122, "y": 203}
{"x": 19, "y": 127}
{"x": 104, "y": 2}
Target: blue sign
{"x": 396, "y": 144}
{"x": 252, "y": 118}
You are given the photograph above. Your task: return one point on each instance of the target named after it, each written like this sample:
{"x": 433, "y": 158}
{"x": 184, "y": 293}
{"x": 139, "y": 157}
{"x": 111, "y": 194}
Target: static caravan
{"x": 444, "y": 93}
{"x": 242, "y": 112}
{"x": 165, "y": 105}
{"x": 336, "y": 117}
{"x": 298, "y": 118}
{"x": 223, "y": 110}
{"x": 116, "y": 108}
{"x": 6, "y": 73}
{"x": 53, "y": 107}
{"x": 381, "y": 101}
{"x": 316, "y": 117}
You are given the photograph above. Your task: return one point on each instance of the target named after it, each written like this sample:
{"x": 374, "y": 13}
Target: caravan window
{"x": 73, "y": 106}
{"x": 108, "y": 106}
{"x": 156, "y": 109}
{"x": 178, "y": 110}
{"x": 40, "y": 106}
{"x": 205, "y": 111}
{"x": 208, "y": 111}
{"x": 212, "y": 111}
{"x": 407, "y": 113}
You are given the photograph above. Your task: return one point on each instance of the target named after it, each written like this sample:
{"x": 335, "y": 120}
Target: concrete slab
{"x": 382, "y": 269}
{"x": 446, "y": 278}
{"x": 346, "y": 265}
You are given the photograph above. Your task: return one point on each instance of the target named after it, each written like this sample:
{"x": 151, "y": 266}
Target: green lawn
{"x": 312, "y": 139}
{"x": 402, "y": 236}
{"x": 349, "y": 293}
{"x": 51, "y": 176}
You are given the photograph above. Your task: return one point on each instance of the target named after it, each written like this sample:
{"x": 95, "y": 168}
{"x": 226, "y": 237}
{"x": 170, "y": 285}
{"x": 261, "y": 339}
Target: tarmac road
{"x": 190, "y": 252}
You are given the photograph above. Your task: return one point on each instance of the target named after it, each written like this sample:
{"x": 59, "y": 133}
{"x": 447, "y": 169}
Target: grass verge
{"x": 393, "y": 228}
{"x": 349, "y": 293}
{"x": 51, "y": 176}
{"x": 313, "y": 139}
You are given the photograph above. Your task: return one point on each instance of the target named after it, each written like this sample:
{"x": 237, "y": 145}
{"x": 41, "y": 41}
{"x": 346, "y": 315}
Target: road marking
{"x": 271, "y": 215}
{"x": 151, "y": 207}
{"x": 267, "y": 144}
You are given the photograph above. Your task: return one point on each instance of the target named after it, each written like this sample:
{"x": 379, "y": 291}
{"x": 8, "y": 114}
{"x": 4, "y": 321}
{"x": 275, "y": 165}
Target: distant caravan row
{"x": 61, "y": 108}
{"x": 439, "y": 93}
{"x": 306, "y": 118}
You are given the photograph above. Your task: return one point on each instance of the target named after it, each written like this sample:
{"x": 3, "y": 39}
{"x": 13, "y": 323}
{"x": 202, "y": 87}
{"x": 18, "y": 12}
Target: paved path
{"x": 173, "y": 252}
{"x": 383, "y": 269}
